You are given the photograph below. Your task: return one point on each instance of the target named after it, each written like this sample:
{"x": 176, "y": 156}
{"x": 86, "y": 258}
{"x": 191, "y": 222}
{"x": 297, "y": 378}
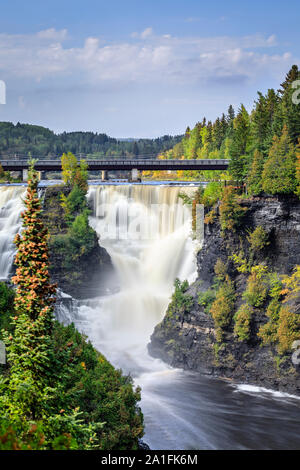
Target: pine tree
{"x": 279, "y": 174}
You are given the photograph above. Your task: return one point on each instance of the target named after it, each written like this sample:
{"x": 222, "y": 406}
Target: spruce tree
{"x": 279, "y": 174}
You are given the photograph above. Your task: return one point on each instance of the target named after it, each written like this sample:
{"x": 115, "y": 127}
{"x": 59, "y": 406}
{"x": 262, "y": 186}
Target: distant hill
{"x": 39, "y": 141}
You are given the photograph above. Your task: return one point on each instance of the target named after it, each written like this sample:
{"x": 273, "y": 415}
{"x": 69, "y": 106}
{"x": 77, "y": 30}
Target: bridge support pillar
{"x": 104, "y": 175}
{"x": 25, "y": 175}
{"x": 135, "y": 174}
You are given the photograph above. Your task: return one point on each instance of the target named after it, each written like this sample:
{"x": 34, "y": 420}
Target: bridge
{"x": 114, "y": 163}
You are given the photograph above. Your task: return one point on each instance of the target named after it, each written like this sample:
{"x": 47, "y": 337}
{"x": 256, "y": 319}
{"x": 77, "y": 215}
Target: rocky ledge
{"x": 188, "y": 340}
{"x": 90, "y": 272}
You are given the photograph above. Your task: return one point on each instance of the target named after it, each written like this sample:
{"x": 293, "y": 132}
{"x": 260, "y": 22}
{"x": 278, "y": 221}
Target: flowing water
{"x": 149, "y": 249}
{"x": 10, "y": 209}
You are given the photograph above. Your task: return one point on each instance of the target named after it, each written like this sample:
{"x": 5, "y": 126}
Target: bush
{"x": 181, "y": 302}
{"x": 220, "y": 269}
{"x": 269, "y": 332}
{"x": 222, "y": 308}
{"x": 288, "y": 329}
{"x": 103, "y": 395}
{"x": 205, "y": 299}
{"x": 242, "y": 319}
{"x": 256, "y": 292}
{"x": 231, "y": 213}
{"x": 258, "y": 239}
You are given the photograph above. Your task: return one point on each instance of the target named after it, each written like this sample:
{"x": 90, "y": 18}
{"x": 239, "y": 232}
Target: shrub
{"x": 222, "y": 308}
{"x": 288, "y": 329}
{"x": 212, "y": 193}
{"x": 258, "y": 239}
{"x": 242, "y": 322}
{"x": 220, "y": 269}
{"x": 181, "y": 302}
{"x": 205, "y": 299}
{"x": 268, "y": 332}
{"x": 256, "y": 292}
{"x": 241, "y": 263}
{"x": 210, "y": 218}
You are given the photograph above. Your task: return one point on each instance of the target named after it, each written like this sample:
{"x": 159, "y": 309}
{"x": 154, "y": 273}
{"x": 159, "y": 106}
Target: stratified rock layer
{"x": 189, "y": 341}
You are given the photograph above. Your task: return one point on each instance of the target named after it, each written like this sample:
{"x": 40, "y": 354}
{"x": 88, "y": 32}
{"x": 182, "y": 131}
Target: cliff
{"x": 188, "y": 337}
{"x": 81, "y": 272}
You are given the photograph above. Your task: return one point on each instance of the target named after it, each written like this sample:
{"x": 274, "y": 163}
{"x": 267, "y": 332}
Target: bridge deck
{"x": 126, "y": 164}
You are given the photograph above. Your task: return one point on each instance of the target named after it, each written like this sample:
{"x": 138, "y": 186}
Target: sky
{"x": 140, "y": 68}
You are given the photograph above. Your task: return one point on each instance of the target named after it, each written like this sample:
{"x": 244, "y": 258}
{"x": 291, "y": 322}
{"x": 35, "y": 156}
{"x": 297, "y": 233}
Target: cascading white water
{"x": 11, "y": 206}
{"x": 120, "y": 324}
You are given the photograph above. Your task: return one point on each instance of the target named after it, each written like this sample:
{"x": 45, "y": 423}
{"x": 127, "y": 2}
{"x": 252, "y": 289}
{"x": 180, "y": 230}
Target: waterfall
{"x": 146, "y": 263}
{"x": 11, "y": 206}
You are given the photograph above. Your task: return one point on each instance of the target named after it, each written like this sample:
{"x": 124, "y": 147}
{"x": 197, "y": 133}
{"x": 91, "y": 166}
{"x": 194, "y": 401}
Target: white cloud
{"x": 180, "y": 60}
{"x": 146, "y": 33}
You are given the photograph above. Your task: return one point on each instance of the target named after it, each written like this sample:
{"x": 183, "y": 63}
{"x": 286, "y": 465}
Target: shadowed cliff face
{"x": 91, "y": 271}
{"x": 189, "y": 340}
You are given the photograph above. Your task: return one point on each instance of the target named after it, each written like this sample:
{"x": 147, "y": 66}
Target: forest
{"x": 22, "y": 139}
{"x": 261, "y": 144}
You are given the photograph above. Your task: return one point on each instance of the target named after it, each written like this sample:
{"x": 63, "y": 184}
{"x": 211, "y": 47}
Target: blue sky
{"x": 140, "y": 68}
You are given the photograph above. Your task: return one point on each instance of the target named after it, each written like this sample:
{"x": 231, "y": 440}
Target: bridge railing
{"x": 19, "y": 157}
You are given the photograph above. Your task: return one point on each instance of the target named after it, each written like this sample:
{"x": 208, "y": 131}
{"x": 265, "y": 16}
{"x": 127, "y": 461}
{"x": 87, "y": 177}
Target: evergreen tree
{"x": 279, "y": 174}
{"x": 29, "y": 348}
{"x": 239, "y": 149}
{"x": 255, "y": 173}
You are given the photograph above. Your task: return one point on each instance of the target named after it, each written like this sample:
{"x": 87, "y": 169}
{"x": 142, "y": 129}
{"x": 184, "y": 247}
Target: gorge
{"x": 182, "y": 410}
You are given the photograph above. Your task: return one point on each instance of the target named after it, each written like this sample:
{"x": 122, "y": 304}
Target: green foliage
{"x": 181, "y": 302}
{"x": 69, "y": 166}
{"x": 231, "y": 213}
{"x": 206, "y": 299}
{"x": 269, "y": 331}
{"x": 220, "y": 269}
{"x": 212, "y": 193}
{"x": 7, "y": 296}
{"x": 24, "y": 138}
{"x": 103, "y": 395}
{"x": 255, "y": 173}
{"x": 242, "y": 322}
{"x": 283, "y": 327}
{"x": 288, "y": 329}
{"x": 73, "y": 203}
{"x": 279, "y": 169}
{"x": 258, "y": 239}
{"x": 257, "y": 290}
{"x": 240, "y": 145}
{"x": 222, "y": 308}
{"x": 241, "y": 263}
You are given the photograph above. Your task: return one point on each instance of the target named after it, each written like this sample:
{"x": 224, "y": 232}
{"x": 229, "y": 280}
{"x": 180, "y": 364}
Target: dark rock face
{"x": 191, "y": 342}
{"x": 89, "y": 275}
